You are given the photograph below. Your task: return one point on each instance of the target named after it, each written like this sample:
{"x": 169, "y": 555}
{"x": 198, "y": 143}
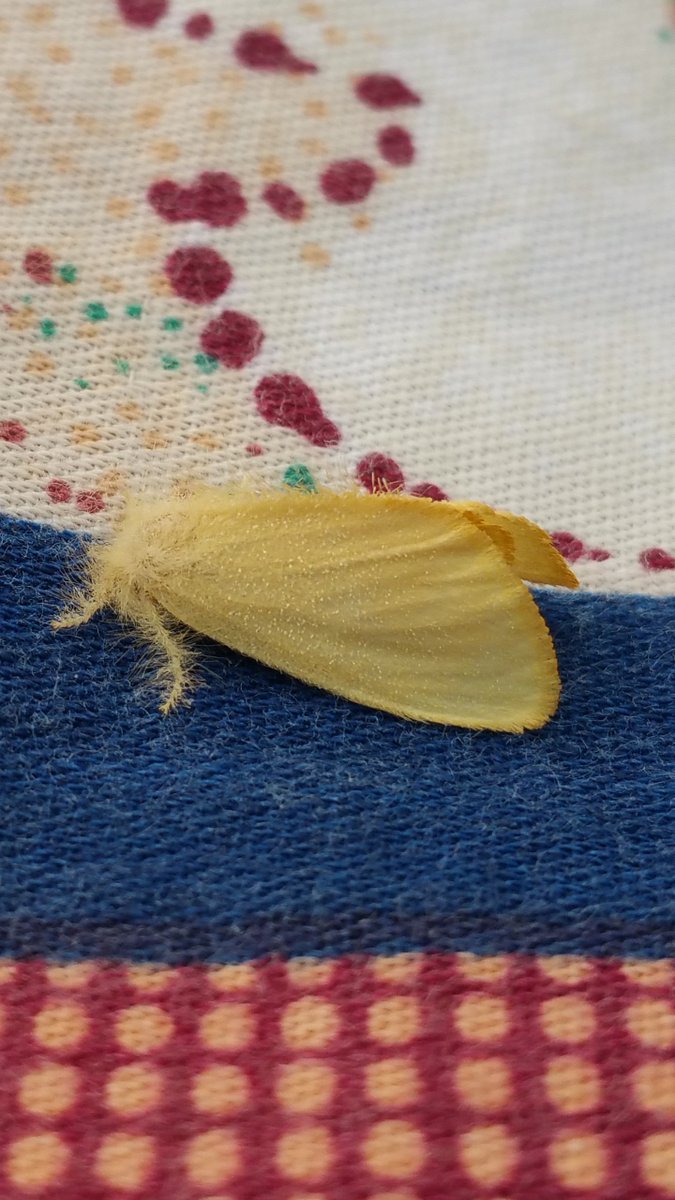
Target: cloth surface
{"x": 270, "y": 816}
{"x": 406, "y": 1075}
{"x": 281, "y": 947}
{"x": 493, "y": 314}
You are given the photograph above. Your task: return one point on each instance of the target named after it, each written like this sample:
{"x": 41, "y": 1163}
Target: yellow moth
{"x": 398, "y": 602}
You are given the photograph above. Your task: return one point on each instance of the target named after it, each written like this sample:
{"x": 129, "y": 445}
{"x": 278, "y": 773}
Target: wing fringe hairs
{"x": 401, "y": 603}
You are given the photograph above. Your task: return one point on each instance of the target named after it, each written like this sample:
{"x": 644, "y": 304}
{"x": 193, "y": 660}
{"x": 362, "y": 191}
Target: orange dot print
{"x": 271, "y": 168}
{"x": 133, "y": 1089}
{"x": 145, "y": 977}
{"x": 652, "y": 1022}
{"x": 488, "y": 1154}
{"x": 315, "y": 255}
{"x": 122, "y": 74}
{"x": 118, "y": 207}
{"x": 16, "y": 195}
{"x": 394, "y": 1020}
{"x": 567, "y": 1018}
{"x": 153, "y": 439}
{"x": 37, "y": 1162}
{"x": 658, "y": 1161}
{"x": 579, "y": 1160}
{"x": 658, "y": 973}
{"x": 572, "y": 1084}
{"x": 148, "y": 114}
{"x": 124, "y": 1160}
{"x": 143, "y": 1028}
{"x": 49, "y": 1090}
{"x": 396, "y": 968}
{"x": 305, "y": 1086}
{"x": 60, "y": 1025}
{"x": 165, "y": 151}
{"x": 305, "y": 1153}
{"x": 309, "y": 973}
{"x": 486, "y": 969}
{"x": 566, "y": 969}
{"x": 70, "y": 975}
{"x": 484, "y": 1083}
{"x": 39, "y": 364}
{"x": 654, "y": 1087}
{"x": 58, "y": 53}
{"x": 220, "y": 1090}
{"x": 7, "y": 970}
{"x": 227, "y": 1027}
{"x": 395, "y": 1149}
{"x": 482, "y": 1018}
{"x": 234, "y": 977}
{"x": 40, "y": 14}
{"x": 392, "y": 1082}
{"x": 129, "y": 412}
{"x": 213, "y": 1157}
{"x": 309, "y": 1023}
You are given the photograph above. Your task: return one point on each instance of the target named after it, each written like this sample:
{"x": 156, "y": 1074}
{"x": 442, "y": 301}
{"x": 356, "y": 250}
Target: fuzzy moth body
{"x": 398, "y": 602}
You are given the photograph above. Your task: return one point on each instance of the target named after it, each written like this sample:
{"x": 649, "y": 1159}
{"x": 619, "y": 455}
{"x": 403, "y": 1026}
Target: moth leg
{"x": 79, "y": 615}
{"x": 174, "y": 671}
{"x": 85, "y": 604}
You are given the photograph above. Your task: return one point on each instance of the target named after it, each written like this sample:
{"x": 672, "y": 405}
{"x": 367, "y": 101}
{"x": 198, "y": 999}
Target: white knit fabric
{"x": 497, "y": 316}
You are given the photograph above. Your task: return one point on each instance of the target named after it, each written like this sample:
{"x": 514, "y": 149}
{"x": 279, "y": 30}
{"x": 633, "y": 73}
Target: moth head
{"x": 121, "y": 571}
{"x": 137, "y": 552}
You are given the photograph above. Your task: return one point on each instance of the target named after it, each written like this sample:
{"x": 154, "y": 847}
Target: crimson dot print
{"x": 347, "y": 181}
{"x": 144, "y": 13}
{"x": 171, "y": 201}
{"x": 385, "y": 91}
{"x": 12, "y": 431}
{"x": 284, "y": 201}
{"x": 379, "y": 473}
{"x": 233, "y": 338}
{"x": 199, "y": 26}
{"x": 90, "y": 502}
{"x": 656, "y": 559}
{"x": 262, "y": 50}
{"x": 59, "y": 491}
{"x": 198, "y": 273}
{"x": 38, "y": 266}
{"x": 429, "y": 490}
{"x": 288, "y": 401}
{"x": 396, "y": 145}
{"x": 571, "y": 547}
{"x": 214, "y": 198}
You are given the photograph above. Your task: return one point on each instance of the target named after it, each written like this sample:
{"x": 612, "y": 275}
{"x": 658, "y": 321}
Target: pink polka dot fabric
{"x": 403, "y": 1075}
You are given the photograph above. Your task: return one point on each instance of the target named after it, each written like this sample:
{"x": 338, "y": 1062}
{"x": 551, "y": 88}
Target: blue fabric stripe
{"x": 271, "y": 817}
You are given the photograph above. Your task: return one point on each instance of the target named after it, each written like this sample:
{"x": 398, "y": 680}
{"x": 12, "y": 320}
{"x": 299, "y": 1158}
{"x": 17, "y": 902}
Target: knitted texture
{"x": 418, "y": 1076}
{"x": 274, "y": 818}
{"x": 314, "y": 233}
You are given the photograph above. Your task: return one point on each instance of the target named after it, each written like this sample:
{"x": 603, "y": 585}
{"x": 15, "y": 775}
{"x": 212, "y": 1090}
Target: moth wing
{"x": 396, "y": 602}
{"x": 527, "y": 547}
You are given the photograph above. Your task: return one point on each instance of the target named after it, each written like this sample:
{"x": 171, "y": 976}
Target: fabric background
{"x": 281, "y": 947}
{"x": 494, "y": 316}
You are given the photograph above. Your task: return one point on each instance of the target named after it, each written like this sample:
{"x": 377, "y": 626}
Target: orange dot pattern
{"x": 398, "y": 1077}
